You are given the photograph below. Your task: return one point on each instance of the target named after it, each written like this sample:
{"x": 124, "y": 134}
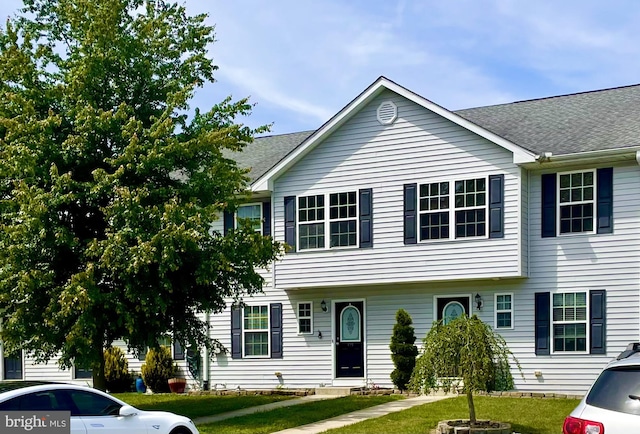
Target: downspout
{"x": 206, "y": 356}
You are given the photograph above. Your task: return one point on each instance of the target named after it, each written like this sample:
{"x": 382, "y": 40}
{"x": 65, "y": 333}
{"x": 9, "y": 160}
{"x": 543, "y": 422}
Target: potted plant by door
{"x": 177, "y": 385}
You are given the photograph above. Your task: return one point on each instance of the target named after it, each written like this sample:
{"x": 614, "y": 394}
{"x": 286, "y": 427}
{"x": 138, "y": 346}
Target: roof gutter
{"x": 606, "y": 155}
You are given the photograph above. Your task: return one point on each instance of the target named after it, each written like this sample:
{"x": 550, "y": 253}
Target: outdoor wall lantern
{"x": 323, "y": 305}
{"x": 478, "y": 301}
{"x": 319, "y": 334}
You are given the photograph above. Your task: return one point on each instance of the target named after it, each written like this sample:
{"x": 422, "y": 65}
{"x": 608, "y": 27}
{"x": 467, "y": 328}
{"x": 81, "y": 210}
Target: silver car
{"x": 612, "y": 404}
{"x": 91, "y": 411}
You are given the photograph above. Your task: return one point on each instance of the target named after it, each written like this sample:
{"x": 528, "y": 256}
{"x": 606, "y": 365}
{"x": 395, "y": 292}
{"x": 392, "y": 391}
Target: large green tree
{"x": 108, "y": 189}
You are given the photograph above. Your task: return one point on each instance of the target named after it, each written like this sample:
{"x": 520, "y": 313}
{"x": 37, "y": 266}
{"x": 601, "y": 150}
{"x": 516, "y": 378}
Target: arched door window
{"x": 350, "y": 325}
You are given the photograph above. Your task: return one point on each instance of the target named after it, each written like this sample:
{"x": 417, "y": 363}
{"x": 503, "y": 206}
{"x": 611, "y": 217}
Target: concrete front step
{"x": 334, "y": 390}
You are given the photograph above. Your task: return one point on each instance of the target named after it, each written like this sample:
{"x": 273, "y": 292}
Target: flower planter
{"x": 461, "y": 426}
{"x": 177, "y": 385}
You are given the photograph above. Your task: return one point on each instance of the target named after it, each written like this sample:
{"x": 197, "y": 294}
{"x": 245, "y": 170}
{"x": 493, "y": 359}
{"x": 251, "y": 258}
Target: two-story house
{"x": 525, "y": 214}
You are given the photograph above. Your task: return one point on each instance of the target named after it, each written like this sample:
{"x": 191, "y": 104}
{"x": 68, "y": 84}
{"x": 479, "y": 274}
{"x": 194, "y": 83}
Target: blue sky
{"x": 301, "y": 61}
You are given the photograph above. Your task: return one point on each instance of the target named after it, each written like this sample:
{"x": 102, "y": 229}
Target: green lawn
{"x": 283, "y": 418}
{"x": 196, "y": 405}
{"x": 527, "y": 415}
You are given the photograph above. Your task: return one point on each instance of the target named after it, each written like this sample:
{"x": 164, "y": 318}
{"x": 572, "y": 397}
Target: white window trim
{"x": 259, "y": 205}
{"x": 587, "y": 322}
{"x": 22, "y": 365}
{"x": 452, "y": 210}
{"x": 327, "y": 221}
{"x": 592, "y": 201}
{"x": 268, "y": 330}
{"x": 310, "y": 317}
{"x": 496, "y": 311}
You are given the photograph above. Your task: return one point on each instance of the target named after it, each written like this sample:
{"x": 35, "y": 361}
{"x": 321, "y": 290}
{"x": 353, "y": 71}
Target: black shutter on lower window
{"x": 496, "y": 206}
{"x": 549, "y": 205}
{"x": 543, "y": 323}
{"x": 366, "y": 218}
{"x": 410, "y": 213}
{"x": 266, "y": 218}
{"x": 229, "y": 222}
{"x": 597, "y": 322}
{"x": 290, "y": 222}
{"x": 236, "y": 332}
{"x": 605, "y": 201}
{"x": 276, "y": 330}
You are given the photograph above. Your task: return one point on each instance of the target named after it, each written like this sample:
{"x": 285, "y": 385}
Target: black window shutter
{"x": 236, "y": 332}
{"x": 178, "y": 352}
{"x": 276, "y": 330}
{"x": 266, "y": 218}
{"x": 496, "y": 206}
{"x": 549, "y": 205}
{"x": 543, "y": 323}
{"x": 366, "y": 216}
{"x": 410, "y": 213}
{"x": 290, "y": 221}
{"x": 598, "y": 321}
{"x": 229, "y": 221}
{"x": 605, "y": 200}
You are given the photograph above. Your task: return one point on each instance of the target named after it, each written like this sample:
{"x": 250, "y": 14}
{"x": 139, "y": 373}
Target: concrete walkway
{"x": 323, "y": 425}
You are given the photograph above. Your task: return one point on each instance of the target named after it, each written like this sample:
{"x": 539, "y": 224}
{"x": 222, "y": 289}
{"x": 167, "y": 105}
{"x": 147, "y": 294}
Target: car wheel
{"x": 181, "y": 430}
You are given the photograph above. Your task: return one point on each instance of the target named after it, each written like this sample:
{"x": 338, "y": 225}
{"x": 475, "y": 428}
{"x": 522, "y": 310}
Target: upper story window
{"x": 339, "y": 223}
{"x": 251, "y": 212}
{"x": 468, "y": 213}
{"x": 578, "y": 202}
{"x": 327, "y": 221}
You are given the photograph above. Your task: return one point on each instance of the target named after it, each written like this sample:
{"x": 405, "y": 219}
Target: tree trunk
{"x": 99, "y": 379}
{"x": 472, "y": 408}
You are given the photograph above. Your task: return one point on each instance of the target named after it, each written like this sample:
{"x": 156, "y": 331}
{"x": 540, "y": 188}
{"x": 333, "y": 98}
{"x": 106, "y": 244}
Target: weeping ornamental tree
{"x": 403, "y": 350}
{"x": 465, "y": 353}
{"x": 108, "y": 191}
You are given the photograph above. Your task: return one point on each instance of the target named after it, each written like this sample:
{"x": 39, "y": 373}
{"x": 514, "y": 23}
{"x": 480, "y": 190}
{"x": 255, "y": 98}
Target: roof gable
{"x": 264, "y": 181}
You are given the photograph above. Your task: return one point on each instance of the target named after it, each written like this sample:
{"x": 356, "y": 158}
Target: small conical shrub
{"x": 158, "y": 367}
{"x": 403, "y": 350}
{"x": 116, "y": 371}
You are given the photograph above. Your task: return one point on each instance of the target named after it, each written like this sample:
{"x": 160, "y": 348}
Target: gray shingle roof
{"x": 566, "y": 124}
{"x": 266, "y": 151}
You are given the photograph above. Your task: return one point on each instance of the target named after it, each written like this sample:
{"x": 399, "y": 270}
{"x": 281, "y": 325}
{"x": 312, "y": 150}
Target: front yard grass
{"x": 297, "y": 415}
{"x": 194, "y": 406}
{"x": 526, "y": 415}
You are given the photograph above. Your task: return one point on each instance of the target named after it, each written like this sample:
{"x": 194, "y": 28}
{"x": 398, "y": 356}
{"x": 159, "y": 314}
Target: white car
{"x": 612, "y": 404}
{"x": 92, "y": 411}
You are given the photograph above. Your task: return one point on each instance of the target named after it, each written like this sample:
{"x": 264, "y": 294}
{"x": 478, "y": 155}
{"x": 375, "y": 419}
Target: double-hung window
{"x": 576, "y": 193}
{"x": 251, "y": 212}
{"x": 305, "y": 318}
{"x": 461, "y": 203}
{"x": 256, "y": 331}
{"x": 569, "y": 317}
{"x": 504, "y": 311}
{"x": 338, "y": 224}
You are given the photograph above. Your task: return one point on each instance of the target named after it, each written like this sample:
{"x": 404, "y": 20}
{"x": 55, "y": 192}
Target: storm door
{"x": 450, "y": 308}
{"x": 349, "y": 326}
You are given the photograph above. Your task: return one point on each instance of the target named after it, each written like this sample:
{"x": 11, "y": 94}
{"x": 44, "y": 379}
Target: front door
{"x": 450, "y": 308}
{"x": 349, "y": 326}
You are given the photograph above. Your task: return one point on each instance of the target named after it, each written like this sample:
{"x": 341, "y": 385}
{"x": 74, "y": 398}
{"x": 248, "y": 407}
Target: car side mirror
{"x": 127, "y": 410}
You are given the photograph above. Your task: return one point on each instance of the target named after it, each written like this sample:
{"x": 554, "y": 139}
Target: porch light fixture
{"x": 478, "y": 302}
{"x": 319, "y": 334}
{"x": 323, "y": 305}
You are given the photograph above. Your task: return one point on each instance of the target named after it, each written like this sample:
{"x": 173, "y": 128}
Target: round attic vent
{"x": 387, "y": 112}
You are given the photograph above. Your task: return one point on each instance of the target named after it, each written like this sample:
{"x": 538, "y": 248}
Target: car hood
{"x": 162, "y": 421}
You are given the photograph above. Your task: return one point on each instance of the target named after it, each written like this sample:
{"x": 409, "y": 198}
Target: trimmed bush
{"x": 158, "y": 367}
{"x": 403, "y": 350}
{"x": 116, "y": 371}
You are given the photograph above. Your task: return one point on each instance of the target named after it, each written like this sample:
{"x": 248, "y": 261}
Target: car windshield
{"x": 617, "y": 389}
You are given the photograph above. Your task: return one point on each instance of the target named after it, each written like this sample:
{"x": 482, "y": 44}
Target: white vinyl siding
{"x": 419, "y": 147}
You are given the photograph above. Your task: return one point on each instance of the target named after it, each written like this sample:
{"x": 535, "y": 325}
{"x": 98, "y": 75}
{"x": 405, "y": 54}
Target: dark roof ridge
{"x": 543, "y": 98}
{"x": 284, "y": 134}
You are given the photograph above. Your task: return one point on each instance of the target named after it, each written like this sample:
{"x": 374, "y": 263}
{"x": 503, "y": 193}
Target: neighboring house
{"x": 525, "y": 214}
